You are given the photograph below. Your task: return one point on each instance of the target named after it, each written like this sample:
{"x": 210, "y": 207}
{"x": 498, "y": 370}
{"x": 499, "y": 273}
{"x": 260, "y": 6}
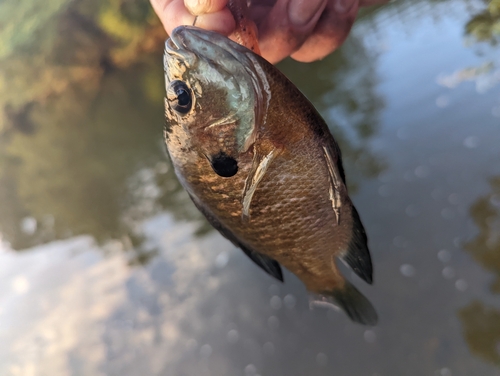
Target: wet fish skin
{"x": 282, "y": 197}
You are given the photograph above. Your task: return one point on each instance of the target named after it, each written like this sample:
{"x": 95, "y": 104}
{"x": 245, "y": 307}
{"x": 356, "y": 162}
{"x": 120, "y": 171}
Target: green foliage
{"x": 47, "y": 47}
{"x": 74, "y": 127}
{"x": 89, "y": 164}
{"x": 485, "y": 26}
{"x": 481, "y": 326}
{"x": 24, "y": 22}
{"x": 485, "y": 247}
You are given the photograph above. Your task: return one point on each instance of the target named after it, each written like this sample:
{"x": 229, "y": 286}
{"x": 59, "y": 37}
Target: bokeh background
{"x": 106, "y": 267}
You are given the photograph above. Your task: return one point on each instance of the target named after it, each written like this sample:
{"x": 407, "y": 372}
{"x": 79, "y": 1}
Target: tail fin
{"x": 354, "y": 304}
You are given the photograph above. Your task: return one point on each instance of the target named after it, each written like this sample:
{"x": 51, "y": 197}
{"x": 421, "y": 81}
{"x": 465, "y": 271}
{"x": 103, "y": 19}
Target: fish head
{"x": 216, "y": 92}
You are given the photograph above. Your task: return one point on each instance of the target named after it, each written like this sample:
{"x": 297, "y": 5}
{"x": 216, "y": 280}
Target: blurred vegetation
{"x": 81, "y": 115}
{"x": 57, "y": 45}
{"x": 485, "y": 247}
{"x": 481, "y": 323}
{"x": 485, "y": 26}
{"x": 28, "y": 23}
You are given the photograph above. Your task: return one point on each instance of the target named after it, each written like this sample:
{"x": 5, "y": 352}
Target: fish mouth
{"x": 175, "y": 44}
{"x": 188, "y": 43}
{"x": 177, "y": 50}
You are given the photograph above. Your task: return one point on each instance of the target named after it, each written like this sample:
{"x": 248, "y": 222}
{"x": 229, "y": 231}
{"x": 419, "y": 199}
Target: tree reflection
{"x": 92, "y": 165}
{"x": 481, "y": 324}
{"x": 485, "y": 26}
{"x": 82, "y": 113}
{"x": 485, "y": 247}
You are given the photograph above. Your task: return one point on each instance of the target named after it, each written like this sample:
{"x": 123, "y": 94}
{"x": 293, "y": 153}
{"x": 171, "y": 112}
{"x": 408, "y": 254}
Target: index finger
{"x": 287, "y": 25}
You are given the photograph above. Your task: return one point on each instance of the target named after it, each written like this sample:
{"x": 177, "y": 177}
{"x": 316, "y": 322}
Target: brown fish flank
{"x": 282, "y": 193}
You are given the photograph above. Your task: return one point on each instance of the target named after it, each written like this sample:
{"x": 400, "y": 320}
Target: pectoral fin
{"x": 336, "y": 182}
{"x": 262, "y": 158}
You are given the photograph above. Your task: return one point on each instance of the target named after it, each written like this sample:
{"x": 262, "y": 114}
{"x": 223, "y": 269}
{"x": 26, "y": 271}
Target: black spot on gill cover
{"x": 224, "y": 165}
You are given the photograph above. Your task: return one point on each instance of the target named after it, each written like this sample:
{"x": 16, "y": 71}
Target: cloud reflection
{"x": 86, "y": 313}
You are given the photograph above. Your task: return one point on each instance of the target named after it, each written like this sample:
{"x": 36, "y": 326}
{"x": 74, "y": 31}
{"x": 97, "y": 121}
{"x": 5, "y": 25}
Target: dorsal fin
{"x": 357, "y": 255}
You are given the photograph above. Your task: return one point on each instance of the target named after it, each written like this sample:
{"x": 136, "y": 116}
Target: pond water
{"x": 106, "y": 267}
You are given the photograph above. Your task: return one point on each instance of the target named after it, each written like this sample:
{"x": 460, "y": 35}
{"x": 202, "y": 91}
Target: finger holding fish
{"x": 306, "y": 30}
{"x": 287, "y": 26}
{"x": 329, "y": 32}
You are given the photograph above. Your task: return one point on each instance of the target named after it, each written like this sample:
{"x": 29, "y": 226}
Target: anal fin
{"x": 357, "y": 255}
{"x": 270, "y": 266}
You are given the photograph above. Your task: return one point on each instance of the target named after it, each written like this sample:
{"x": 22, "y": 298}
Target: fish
{"x": 260, "y": 163}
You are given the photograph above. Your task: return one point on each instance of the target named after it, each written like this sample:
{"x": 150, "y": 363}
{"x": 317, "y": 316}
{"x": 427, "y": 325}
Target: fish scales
{"x": 278, "y": 192}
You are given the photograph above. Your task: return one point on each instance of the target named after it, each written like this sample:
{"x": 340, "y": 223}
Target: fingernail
{"x": 343, "y": 6}
{"x": 301, "y": 12}
{"x": 197, "y": 7}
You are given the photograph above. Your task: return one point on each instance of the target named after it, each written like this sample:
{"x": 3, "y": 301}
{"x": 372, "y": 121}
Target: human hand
{"x": 306, "y": 30}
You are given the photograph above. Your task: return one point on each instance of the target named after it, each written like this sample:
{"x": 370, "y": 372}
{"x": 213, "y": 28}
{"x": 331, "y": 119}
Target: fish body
{"x": 260, "y": 163}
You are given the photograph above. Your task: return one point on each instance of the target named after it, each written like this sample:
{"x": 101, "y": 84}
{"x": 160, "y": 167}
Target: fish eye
{"x": 224, "y": 165}
{"x": 179, "y": 97}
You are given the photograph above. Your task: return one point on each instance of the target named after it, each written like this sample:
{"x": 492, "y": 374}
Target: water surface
{"x": 107, "y": 268}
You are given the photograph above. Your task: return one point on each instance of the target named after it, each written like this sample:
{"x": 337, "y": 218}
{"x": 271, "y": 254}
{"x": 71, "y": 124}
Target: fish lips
{"x": 188, "y": 43}
{"x": 177, "y": 48}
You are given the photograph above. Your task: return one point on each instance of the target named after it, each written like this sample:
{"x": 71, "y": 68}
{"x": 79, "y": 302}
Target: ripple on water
{"x": 407, "y": 270}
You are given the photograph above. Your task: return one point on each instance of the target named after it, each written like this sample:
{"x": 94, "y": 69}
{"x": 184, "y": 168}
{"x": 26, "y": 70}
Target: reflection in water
{"x": 81, "y": 153}
{"x": 485, "y": 247}
{"x": 481, "y": 323}
{"x": 79, "y": 135}
{"x": 485, "y": 26}
{"x": 481, "y": 326}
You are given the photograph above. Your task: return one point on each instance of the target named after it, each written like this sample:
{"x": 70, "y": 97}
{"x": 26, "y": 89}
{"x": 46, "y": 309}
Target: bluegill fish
{"x": 260, "y": 163}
